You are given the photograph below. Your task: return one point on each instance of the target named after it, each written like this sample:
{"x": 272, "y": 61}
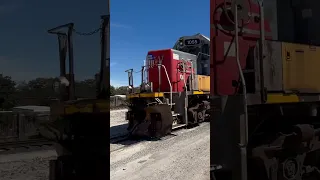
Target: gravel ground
{"x": 117, "y": 117}
{"x": 180, "y": 157}
{"x": 26, "y": 166}
{"x": 35, "y": 165}
{"x": 118, "y": 123}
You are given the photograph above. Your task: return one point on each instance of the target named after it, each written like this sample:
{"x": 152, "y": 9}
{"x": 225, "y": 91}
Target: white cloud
{"x": 113, "y": 64}
{"x": 118, "y": 25}
{"x": 117, "y": 83}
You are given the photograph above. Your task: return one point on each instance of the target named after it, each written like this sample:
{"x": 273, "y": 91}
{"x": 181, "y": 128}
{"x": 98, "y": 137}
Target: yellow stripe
{"x": 87, "y": 108}
{"x": 282, "y": 98}
{"x": 198, "y": 92}
{"x": 201, "y": 92}
{"x": 146, "y": 95}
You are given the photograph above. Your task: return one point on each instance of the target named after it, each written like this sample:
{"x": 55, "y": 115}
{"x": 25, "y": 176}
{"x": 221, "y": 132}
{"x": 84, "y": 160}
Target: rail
{"x": 21, "y": 127}
{"x": 159, "y": 74}
{"x": 244, "y": 125}
{"x": 192, "y": 76}
{"x": 185, "y": 86}
{"x": 130, "y": 79}
{"x": 145, "y": 77}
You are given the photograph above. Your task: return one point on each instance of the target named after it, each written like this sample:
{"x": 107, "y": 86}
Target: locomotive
{"x": 174, "y": 90}
{"x": 264, "y": 90}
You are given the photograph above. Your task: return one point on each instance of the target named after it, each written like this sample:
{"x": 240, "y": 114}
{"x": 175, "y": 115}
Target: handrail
{"x": 203, "y": 54}
{"x": 184, "y": 74}
{"x": 159, "y": 77}
{"x": 165, "y": 70}
{"x": 184, "y": 62}
{"x": 200, "y": 55}
{"x": 192, "y": 76}
{"x": 130, "y": 79}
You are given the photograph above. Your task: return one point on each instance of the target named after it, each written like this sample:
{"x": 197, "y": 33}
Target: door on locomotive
{"x": 169, "y": 78}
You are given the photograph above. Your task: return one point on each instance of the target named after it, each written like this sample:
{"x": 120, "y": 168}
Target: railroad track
{"x": 28, "y": 145}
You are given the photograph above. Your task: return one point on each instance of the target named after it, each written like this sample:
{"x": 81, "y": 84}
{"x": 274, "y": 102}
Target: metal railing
{"x": 165, "y": 70}
{"x": 19, "y": 126}
{"x": 116, "y": 101}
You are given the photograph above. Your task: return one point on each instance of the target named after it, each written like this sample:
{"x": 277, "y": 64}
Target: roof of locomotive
{"x": 173, "y": 50}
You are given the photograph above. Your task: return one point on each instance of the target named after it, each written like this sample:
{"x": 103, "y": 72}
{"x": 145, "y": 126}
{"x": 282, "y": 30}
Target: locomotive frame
{"x": 155, "y": 112}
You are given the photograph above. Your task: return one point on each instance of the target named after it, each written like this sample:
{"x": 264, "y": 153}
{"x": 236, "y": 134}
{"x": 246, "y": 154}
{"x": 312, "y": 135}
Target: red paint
{"x": 224, "y": 70}
{"x": 172, "y": 65}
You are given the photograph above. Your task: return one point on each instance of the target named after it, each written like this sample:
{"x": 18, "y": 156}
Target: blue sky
{"x": 28, "y": 51}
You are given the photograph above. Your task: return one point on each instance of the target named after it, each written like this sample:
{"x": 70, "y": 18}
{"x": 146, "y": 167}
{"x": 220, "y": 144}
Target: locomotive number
{"x": 191, "y": 42}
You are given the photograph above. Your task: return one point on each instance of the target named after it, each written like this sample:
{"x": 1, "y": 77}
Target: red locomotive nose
{"x": 170, "y": 61}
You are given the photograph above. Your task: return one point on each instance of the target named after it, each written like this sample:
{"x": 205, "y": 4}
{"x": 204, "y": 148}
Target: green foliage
{"x": 122, "y": 90}
{"x": 40, "y": 91}
{"x": 112, "y": 91}
{"x": 7, "y": 92}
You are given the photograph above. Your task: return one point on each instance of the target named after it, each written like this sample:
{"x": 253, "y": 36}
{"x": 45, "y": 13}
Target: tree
{"x": 112, "y": 91}
{"x": 40, "y": 91}
{"x": 86, "y": 88}
{"x": 7, "y": 92}
{"x": 122, "y": 90}
{"x": 39, "y": 88}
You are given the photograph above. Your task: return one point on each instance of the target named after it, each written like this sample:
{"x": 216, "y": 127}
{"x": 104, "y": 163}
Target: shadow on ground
{"x": 118, "y": 130}
{"x": 121, "y": 130}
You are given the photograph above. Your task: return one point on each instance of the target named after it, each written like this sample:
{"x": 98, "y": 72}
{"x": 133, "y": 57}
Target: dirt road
{"x": 180, "y": 157}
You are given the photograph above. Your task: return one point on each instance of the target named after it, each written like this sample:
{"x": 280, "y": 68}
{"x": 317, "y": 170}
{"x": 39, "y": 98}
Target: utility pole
{"x": 104, "y": 84}
{"x": 71, "y": 64}
{"x": 66, "y": 44}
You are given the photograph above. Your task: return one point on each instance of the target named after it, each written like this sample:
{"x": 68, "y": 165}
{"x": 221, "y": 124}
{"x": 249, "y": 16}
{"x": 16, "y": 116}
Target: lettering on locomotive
{"x": 152, "y": 61}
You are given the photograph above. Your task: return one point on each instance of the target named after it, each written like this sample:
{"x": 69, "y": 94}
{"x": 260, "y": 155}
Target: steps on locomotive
{"x": 176, "y": 126}
{"x": 174, "y": 114}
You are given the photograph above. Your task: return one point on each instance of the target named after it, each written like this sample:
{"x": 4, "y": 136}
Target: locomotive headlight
{"x": 181, "y": 42}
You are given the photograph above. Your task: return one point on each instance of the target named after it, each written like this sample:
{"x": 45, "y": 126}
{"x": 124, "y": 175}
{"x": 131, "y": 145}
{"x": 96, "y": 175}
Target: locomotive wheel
{"x": 293, "y": 156}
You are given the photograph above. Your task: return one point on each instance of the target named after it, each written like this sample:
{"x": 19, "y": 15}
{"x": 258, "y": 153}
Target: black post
{"x": 62, "y": 53}
{"x": 104, "y": 84}
{"x": 68, "y": 93}
{"x": 63, "y": 48}
{"x": 71, "y": 63}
